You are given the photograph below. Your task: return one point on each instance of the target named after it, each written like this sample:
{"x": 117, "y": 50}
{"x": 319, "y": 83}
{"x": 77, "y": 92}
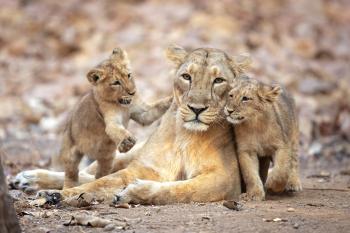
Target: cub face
{"x": 112, "y": 79}
{"x": 248, "y": 98}
{"x": 201, "y": 84}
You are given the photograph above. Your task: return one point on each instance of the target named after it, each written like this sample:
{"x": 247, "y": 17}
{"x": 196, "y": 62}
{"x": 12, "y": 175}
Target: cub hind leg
{"x": 71, "y": 159}
{"x": 105, "y": 156}
{"x": 294, "y": 183}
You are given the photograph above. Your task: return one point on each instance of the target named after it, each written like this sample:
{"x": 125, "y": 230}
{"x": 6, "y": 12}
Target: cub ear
{"x": 176, "y": 54}
{"x": 120, "y": 56}
{"x": 240, "y": 63}
{"x": 270, "y": 93}
{"x": 94, "y": 76}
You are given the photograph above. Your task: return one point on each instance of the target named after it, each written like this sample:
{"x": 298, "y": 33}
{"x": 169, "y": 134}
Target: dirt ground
{"x": 323, "y": 206}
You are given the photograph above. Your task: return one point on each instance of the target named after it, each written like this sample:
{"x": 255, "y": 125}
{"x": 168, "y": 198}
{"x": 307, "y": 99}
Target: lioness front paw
{"x": 26, "y": 181}
{"x": 126, "y": 144}
{"x": 139, "y": 192}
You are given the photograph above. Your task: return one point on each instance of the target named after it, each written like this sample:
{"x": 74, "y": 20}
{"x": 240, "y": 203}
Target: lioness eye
{"x": 115, "y": 83}
{"x": 186, "y": 77}
{"x": 129, "y": 75}
{"x": 245, "y": 98}
{"x": 219, "y": 80}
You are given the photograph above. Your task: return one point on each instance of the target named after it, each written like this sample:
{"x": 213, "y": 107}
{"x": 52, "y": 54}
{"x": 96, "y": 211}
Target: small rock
{"x": 109, "y": 227}
{"x": 122, "y": 206}
{"x": 277, "y": 220}
{"x": 233, "y": 205}
{"x": 291, "y": 210}
{"x": 296, "y": 226}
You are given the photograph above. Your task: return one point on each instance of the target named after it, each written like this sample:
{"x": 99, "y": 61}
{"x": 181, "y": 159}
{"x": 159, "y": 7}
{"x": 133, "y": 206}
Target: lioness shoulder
{"x": 265, "y": 125}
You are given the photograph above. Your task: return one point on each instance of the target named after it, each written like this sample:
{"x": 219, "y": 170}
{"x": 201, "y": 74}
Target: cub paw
{"x": 126, "y": 144}
{"x": 52, "y": 197}
{"x": 258, "y": 195}
{"x": 276, "y": 181}
{"x": 294, "y": 185}
{"x": 26, "y": 181}
{"x": 275, "y": 185}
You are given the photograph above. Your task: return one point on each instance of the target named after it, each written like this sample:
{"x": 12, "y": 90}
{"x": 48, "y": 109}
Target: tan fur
{"x": 190, "y": 156}
{"x": 265, "y": 125}
{"x": 97, "y": 124}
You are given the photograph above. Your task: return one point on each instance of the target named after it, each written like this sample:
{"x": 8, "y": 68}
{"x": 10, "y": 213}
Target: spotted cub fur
{"x": 265, "y": 125}
{"x": 97, "y": 125}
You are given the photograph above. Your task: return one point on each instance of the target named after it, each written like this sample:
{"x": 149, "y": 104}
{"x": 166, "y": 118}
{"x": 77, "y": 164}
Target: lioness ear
{"x": 240, "y": 63}
{"x": 120, "y": 56}
{"x": 94, "y": 76}
{"x": 176, "y": 54}
{"x": 270, "y": 93}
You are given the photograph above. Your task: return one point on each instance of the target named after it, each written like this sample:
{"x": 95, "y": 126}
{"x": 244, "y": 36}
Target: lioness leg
{"x": 38, "y": 179}
{"x": 105, "y": 187}
{"x": 277, "y": 179}
{"x": 203, "y": 188}
{"x": 250, "y": 171}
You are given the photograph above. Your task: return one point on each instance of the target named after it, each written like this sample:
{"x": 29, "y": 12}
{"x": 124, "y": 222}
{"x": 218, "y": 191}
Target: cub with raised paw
{"x": 97, "y": 125}
{"x": 265, "y": 125}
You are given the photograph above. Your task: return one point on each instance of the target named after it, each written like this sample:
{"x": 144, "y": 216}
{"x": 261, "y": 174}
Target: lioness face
{"x": 113, "y": 80}
{"x": 201, "y": 84}
{"x": 248, "y": 98}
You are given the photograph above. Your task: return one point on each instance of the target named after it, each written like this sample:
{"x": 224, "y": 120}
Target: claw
{"x": 116, "y": 199}
{"x": 51, "y": 198}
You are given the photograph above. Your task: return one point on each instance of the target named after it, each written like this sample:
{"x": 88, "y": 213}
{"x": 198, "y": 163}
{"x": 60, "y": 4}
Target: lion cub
{"x": 97, "y": 125}
{"x": 265, "y": 125}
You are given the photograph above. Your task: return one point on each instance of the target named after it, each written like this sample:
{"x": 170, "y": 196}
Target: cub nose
{"x": 131, "y": 92}
{"x": 197, "y": 110}
{"x": 229, "y": 111}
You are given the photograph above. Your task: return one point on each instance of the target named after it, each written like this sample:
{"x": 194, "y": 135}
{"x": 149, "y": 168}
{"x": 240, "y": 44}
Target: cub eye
{"x": 129, "y": 75}
{"x": 186, "y": 77}
{"x": 115, "y": 83}
{"x": 219, "y": 80}
{"x": 230, "y": 95}
{"x": 245, "y": 99}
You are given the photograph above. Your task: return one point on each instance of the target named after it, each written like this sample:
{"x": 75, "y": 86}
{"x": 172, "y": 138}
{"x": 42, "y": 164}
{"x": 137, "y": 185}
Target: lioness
{"x": 97, "y": 124}
{"x": 265, "y": 124}
{"x": 190, "y": 156}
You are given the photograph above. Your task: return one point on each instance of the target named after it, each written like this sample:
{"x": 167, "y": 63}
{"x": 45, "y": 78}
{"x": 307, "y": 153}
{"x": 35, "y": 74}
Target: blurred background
{"x": 47, "y": 47}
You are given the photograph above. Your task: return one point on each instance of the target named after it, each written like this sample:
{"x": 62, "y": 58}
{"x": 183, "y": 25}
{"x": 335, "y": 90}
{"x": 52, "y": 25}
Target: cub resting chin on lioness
{"x": 265, "y": 125}
{"x": 97, "y": 124}
{"x": 190, "y": 157}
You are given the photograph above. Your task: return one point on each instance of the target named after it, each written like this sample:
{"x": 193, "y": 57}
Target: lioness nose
{"x": 197, "y": 110}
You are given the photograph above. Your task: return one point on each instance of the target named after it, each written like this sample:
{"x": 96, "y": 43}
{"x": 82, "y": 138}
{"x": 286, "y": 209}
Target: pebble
{"x": 296, "y": 226}
{"x": 290, "y": 210}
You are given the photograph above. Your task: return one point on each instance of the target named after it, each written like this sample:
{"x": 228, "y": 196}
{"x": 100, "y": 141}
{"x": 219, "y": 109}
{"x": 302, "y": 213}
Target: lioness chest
{"x": 193, "y": 154}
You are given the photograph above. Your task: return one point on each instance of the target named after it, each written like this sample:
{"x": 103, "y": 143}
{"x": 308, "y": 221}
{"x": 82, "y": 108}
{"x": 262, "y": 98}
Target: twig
{"x": 329, "y": 189}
